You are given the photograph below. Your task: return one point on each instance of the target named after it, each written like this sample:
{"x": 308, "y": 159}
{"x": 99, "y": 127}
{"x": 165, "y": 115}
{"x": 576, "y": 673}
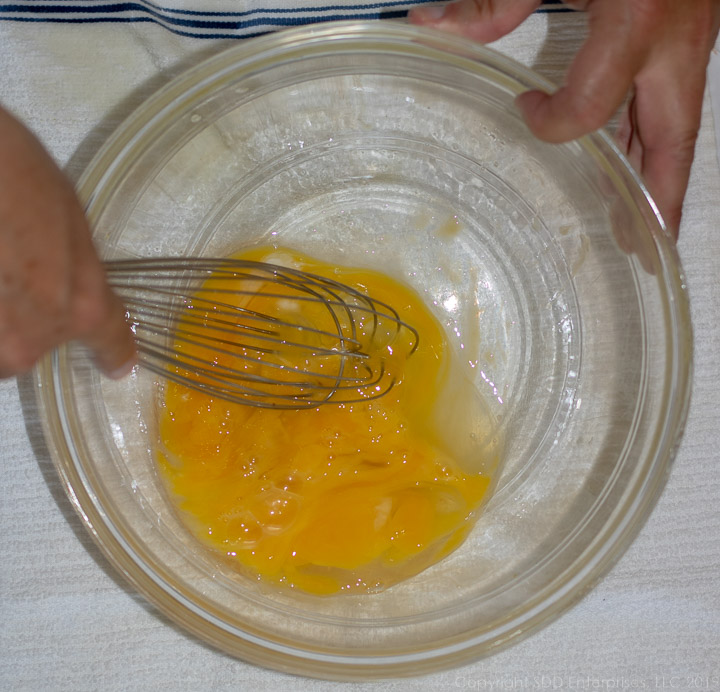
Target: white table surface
{"x": 67, "y": 622}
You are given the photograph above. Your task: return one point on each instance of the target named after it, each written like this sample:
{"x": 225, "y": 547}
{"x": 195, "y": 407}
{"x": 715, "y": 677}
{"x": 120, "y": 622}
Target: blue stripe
{"x": 238, "y": 29}
{"x": 131, "y": 20}
{"x": 143, "y": 6}
{"x": 259, "y": 21}
{"x": 157, "y": 9}
{"x": 209, "y": 24}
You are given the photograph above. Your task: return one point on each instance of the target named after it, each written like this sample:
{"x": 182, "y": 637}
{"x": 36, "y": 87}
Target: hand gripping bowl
{"x": 385, "y": 146}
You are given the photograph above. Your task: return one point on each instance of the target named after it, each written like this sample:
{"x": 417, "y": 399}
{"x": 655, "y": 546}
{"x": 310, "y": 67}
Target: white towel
{"x": 67, "y": 623}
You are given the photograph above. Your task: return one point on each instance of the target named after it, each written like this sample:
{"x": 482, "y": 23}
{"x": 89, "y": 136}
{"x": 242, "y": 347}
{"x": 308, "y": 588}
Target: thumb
{"x": 599, "y": 78}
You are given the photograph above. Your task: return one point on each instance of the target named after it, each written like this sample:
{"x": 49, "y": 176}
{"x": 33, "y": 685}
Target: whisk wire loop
{"x": 257, "y": 333}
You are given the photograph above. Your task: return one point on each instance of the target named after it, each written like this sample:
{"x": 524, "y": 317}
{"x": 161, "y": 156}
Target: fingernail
{"x": 125, "y": 369}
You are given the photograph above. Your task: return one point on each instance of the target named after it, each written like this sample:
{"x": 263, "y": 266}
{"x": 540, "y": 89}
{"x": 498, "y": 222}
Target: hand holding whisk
{"x": 259, "y": 334}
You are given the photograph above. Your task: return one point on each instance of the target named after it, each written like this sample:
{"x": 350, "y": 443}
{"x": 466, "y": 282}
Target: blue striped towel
{"x": 214, "y": 18}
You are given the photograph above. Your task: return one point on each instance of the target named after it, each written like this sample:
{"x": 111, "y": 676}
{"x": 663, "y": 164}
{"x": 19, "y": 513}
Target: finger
{"x": 667, "y": 130}
{"x": 599, "y": 78}
{"x": 111, "y": 342}
{"x": 481, "y": 20}
{"x": 630, "y": 237}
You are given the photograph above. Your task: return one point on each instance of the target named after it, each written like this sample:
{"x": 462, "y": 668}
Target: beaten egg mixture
{"x": 348, "y": 497}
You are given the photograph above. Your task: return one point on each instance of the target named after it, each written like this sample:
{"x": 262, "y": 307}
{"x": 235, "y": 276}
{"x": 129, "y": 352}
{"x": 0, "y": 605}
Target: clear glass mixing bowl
{"x": 399, "y": 149}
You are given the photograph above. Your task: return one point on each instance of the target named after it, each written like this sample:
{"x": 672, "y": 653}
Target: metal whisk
{"x": 260, "y": 334}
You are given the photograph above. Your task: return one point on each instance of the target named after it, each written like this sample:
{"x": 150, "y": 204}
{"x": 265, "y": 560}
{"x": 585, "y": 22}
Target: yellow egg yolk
{"x": 341, "y": 497}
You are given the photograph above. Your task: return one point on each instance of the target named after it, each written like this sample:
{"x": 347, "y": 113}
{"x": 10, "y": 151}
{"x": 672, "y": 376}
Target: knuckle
{"x": 484, "y": 8}
{"x": 505, "y": 16}
{"x": 648, "y": 15}
{"x": 680, "y": 147}
{"x": 684, "y": 143}
{"x": 589, "y": 111}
